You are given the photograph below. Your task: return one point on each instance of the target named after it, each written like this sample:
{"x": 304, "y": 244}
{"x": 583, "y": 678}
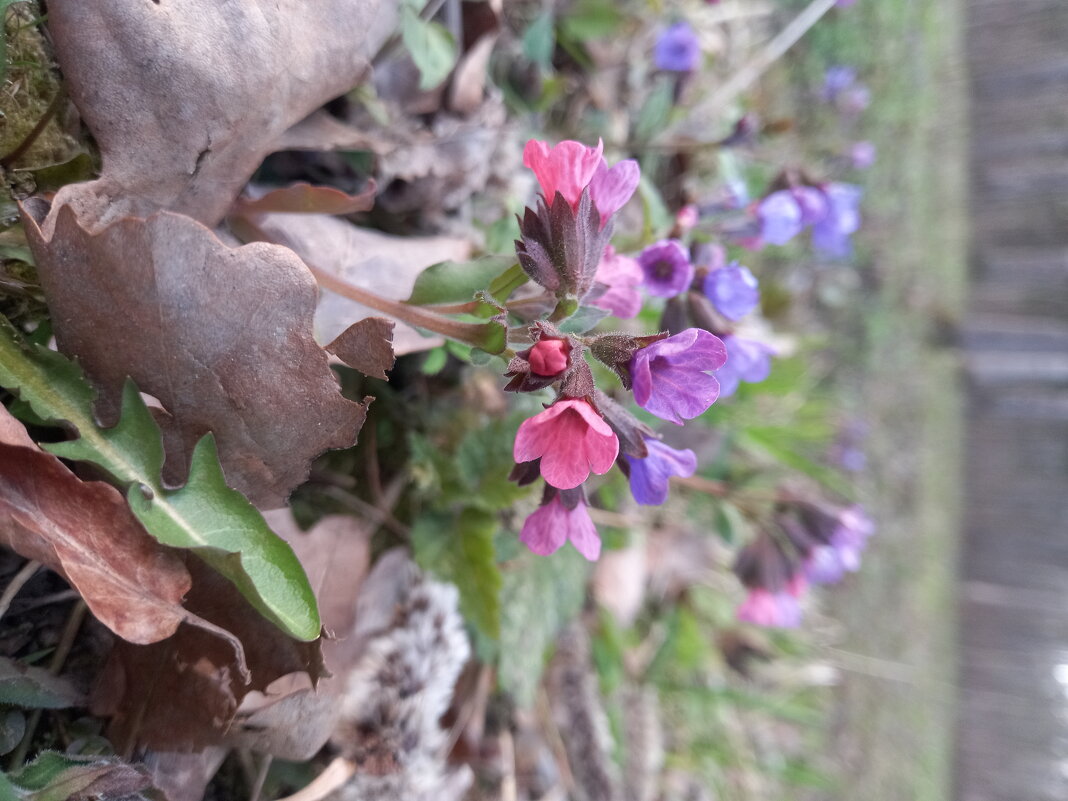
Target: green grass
{"x": 890, "y": 733}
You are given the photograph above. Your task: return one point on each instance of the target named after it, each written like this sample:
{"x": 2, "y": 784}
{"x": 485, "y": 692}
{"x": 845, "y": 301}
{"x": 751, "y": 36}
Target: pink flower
{"x": 611, "y": 188}
{"x": 570, "y": 167}
{"x": 567, "y": 168}
{"x": 622, "y": 275}
{"x": 774, "y": 609}
{"x": 546, "y": 529}
{"x": 571, "y": 439}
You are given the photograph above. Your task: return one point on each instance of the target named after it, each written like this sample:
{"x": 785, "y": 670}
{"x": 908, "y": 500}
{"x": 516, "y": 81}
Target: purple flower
{"x": 747, "y": 361}
{"x": 552, "y": 524}
{"x": 667, "y": 268}
{"x": 830, "y": 236}
{"x": 862, "y": 154}
{"x": 671, "y": 379}
{"x": 855, "y": 99}
{"x": 780, "y": 217}
{"x": 813, "y": 204}
{"x": 836, "y": 80}
{"x": 733, "y": 290}
{"x": 828, "y": 563}
{"x": 677, "y": 49}
{"x": 649, "y": 477}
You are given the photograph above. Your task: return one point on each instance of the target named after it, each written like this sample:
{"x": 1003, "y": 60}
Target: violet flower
{"x": 671, "y": 378}
{"x": 622, "y": 275}
{"x": 649, "y": 477}
{"x": 553, "y": 524}
{"x": 836, "y": 80}
{"x": 733, "y": 290}
{"x": 677, "y": 49}
{"x": 780, "y": 217}
{"x": 747, "y": 361}
{"x": 830, "y": 236}
{"x": 571, "y": 439}
{"x": 813, "y": 204}
{"x": 667, "y": 268}
{"x": 828, "y": 563}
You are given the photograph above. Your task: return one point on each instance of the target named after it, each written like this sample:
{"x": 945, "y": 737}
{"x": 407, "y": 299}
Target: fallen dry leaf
{"x": 185, "y": 99}
{"x": 303, "y": 198}
{"x": 220, "y": 336}
{"x": 182, "y": 693}
{"x": 384, "y": 264}
{"x": 366, "y": 346}
{"x": 85, "y": 531}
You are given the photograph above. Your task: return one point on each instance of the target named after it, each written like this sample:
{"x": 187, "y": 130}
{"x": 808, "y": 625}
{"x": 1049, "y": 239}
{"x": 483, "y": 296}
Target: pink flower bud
{"x": 549, "y": 356}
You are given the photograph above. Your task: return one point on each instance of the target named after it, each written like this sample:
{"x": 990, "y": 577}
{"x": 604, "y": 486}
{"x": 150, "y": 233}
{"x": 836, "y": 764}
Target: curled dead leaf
{"x": 183, "y": 693}
{"x": 85, "y": 531}
{"x": 302, "y": 198}
{"x": 220, "y": 336}
{"x": 184, "y": 127}
{"x": 366, "y": 346}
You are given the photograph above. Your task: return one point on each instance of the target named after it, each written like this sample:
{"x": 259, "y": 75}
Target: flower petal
{"x": 582, "y": 533}
{"x": 544, "y": 530}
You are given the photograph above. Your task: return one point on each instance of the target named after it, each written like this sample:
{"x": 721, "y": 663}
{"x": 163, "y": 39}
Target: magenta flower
{"x": 733, "y": 290}
{"x": 780, "y": 217}
{"x": 770, "y": 609}
{"x": 567, "y": 168}
{"x": 667, "y": 268}
{"x": 571, "y": 439}
{"x": 649, "y": 477}
{"x": 671, "y": 379}
{"x": 612, "y": 187}
{"x": 622, "y": 276}
{"x": 677, "y": 49}
{"x": 552, "y": 524}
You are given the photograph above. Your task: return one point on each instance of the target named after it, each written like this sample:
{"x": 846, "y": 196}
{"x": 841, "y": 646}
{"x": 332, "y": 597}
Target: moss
{"x": 30, "y": 82}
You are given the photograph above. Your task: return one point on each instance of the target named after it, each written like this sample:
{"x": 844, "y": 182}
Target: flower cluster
{"x": 808, "y": 542}
{"x": 830, "y": 210}
{"x": 564, "y": 249}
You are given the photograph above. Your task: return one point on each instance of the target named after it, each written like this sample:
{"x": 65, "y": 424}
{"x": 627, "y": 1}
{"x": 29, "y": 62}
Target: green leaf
{"x": 508, "y": 282}
{"x": 12, "y": 730}
{"x": 460, "y": 550}
{"x": 458, "y": 281}
{"x": 483, "y": 461}
{"x": 205, "y": 515}
{"x": 435, "y": 361}
{"x": 539, "y": 40}
{"x": 657, "y": 217}
{"x": 51, "y": 177}
{"x": 430, "y": 46}
{"x": 592, "y": 19}
{"x": 540, "y": 595}
{"x": 656, "y": 110}
{"x": 34, "y": 687}
{"x": 584, "y": 318}
{"x": 59, "y": 777}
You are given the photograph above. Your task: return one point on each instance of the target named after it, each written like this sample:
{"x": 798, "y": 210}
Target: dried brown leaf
{"x": 182, "y": 693}
{"x": 304, "y": 198}
{"x": 366, "y": 346}
{"x": 184, "y": 127}
{"x": 85, "y": 531}
{"x": 220, "y": 336}
{"x": 387, "y": 265}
